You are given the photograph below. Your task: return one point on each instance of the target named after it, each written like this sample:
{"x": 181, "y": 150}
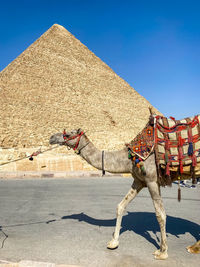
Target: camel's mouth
{"x": 56, "y": 139}
{"x": 52, "y": 140}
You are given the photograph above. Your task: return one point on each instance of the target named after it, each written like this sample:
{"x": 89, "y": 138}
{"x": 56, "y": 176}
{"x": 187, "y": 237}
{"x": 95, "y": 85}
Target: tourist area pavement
{"x": 59, "y": 222}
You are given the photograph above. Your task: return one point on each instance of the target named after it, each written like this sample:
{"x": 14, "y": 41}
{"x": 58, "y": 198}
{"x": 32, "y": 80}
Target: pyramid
{"x": 57, "y": 83}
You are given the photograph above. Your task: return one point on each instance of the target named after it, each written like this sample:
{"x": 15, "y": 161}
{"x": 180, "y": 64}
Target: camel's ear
{"x": 79, "y": 131}
{"x": 151, "y": 110}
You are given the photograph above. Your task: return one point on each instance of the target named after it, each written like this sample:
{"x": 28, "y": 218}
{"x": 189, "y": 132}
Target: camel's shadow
{"x": 142, "y": 223}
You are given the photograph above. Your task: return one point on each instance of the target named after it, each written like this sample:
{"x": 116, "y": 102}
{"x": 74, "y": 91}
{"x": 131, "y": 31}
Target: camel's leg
{"x": 154, "y": 190}
{"x": 136, "y": 187}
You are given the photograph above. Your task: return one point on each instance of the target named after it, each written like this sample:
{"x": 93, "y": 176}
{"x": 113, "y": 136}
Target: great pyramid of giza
{"x": 59, "y": 83}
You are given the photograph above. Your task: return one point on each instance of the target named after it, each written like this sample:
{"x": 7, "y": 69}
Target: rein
{"x": 34, "y": 154}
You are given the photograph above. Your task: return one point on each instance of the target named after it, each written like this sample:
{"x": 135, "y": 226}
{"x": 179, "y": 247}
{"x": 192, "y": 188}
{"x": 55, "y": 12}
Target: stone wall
{"x": 48, "y": 161}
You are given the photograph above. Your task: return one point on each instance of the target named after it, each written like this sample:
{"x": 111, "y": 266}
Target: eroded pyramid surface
{"x": 59, "y": 83}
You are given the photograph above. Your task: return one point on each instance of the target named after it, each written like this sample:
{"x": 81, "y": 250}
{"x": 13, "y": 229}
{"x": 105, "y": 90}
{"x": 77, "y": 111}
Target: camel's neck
{"x": 114, "y": 162}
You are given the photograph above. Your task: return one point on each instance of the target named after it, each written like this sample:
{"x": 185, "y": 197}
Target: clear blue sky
{"x": 153, "y": 45}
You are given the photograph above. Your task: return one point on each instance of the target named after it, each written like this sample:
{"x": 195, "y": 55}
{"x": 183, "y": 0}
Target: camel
{"x": 118, "y": 162}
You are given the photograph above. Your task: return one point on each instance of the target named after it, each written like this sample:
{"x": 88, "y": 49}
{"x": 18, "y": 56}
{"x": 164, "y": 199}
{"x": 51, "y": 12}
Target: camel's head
{"x": 70, "y": 139}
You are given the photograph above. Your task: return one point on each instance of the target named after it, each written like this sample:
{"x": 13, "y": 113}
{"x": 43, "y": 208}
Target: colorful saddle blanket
{"x": 142, "y": 145}
{"x": 176, "y": 143}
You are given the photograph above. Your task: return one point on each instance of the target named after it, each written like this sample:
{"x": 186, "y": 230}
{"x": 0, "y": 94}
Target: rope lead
{"x": 34, "y": 154}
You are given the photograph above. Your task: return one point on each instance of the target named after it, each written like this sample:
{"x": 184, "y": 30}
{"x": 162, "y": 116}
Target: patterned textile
{"x": 143, "y": 143}
{"x": 177, "y": 143}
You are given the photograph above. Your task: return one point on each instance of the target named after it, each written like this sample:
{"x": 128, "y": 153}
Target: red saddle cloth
{"x": 177, "y": 142}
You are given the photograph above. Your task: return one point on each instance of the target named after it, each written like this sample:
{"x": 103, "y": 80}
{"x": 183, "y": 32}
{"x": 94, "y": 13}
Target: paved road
{"x": 71, "y": 220}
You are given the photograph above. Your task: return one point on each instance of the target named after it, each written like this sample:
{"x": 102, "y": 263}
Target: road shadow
{"x": 143, "y": 223}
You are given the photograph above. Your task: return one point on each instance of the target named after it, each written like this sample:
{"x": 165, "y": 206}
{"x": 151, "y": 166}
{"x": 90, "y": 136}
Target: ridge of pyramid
{"x": 56, "y": 36}
{"x": 55, "y": 29}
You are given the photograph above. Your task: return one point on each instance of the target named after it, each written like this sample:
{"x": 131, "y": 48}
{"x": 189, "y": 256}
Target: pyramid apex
{"x": 57, "y": 26}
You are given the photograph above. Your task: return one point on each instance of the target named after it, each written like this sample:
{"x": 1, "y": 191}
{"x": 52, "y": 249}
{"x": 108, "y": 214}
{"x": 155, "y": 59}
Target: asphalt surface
{"x": 70, "y": 221}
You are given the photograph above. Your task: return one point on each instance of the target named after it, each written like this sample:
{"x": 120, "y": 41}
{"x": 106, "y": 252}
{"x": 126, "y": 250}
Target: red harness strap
{"x": 73, "y": 137}
{"x": 177, "y": 126}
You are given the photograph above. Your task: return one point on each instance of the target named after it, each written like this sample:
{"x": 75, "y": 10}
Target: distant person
{"x": 193, "y": 185}
{"x": 183, "y": 183}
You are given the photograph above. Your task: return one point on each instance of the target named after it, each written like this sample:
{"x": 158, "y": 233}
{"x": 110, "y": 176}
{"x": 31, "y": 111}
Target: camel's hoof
{"x": 159, "y": 255}
{"x": 113, "y": 244}
{"x": 157, "y": 252}
{"x": 189, "y": 249}
{"x": 193, "y": 250}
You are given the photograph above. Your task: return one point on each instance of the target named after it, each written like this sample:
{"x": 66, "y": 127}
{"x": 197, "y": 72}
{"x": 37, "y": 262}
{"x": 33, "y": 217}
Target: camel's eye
{"x": 65, "y": 135}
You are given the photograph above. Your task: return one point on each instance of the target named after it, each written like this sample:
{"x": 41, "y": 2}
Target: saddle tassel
{"x": 194, "y": 160}
{"x": 179, "y": 191}
{"x": 194, "y": 180}
{"x": 167, "y": 169}
{"x": 190, "y": 148}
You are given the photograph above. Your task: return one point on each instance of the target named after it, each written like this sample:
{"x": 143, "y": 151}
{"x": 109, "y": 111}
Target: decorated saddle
{"x": 142, "y": 145}
{"x": 176, "y": 144}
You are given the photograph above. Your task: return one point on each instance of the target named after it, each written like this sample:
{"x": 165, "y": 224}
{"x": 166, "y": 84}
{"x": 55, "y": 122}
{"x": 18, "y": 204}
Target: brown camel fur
{"x": 118, "y": 162}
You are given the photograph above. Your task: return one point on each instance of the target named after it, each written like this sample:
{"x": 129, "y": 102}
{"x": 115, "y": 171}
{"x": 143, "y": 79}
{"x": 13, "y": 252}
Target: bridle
{"x": 75, "y": 148}
{"x": 78, "y": 136}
